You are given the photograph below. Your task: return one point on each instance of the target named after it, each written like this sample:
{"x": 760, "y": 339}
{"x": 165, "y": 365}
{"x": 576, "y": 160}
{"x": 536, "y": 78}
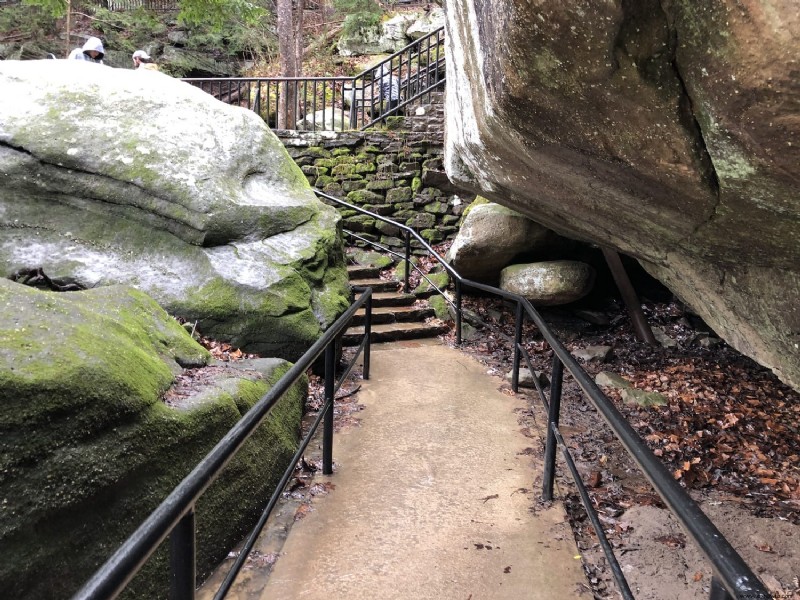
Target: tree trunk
{"x": 69, "y": 27}
{"x": 298, "y": 36}
{"x": 287, "y": 50}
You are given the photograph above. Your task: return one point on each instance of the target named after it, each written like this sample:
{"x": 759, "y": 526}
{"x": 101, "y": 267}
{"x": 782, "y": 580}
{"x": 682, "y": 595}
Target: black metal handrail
{"x": 175, "y": 516}
{"x": 732, "y": 577}
{"x": 408, "y": 233}
{"x": 154, "y": 5}
{"x": 337, "y": 103}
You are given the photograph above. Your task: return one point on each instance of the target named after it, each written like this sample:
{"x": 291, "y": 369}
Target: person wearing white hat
{"x": 142, "y": 60}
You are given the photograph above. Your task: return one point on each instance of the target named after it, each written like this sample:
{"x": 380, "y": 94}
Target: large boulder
{"x": 549, "y": 283}
{"x": 394, "y": 37}
{"x": 116, "y": 176}
{"x": 428, "y": 22}
{"x": 99, "y": 420}
{"x": 490, "y": 236}
{"x": 664, "y": 130}
{"x": 363, "y": 41}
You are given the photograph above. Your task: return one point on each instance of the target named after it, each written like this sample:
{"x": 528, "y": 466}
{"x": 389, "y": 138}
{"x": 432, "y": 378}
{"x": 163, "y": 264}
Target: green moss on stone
{"x": 360, "y": 223}
{"x": 438, "y": 208}
{"x": 364, "y": 197}
{"x": 440, "y": 280}
{"x": 349, "y": 186}
{"x": 440, "y": 307}
{"x": 344, "y": 169}
{"x": 365, "y": 168}
{"x": 380, "y": 184}
{"x": 112, "y": 451}
{"x": 432, "y": 236}
{"x": 399, "y": 194}
{"x": 477, "y": 202}
{"x": 421, "y": 221}
{"x": 324, "y": 180}
{"x": 317, "y": 152}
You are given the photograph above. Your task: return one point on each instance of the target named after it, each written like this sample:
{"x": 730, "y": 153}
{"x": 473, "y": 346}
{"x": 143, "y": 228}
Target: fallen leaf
{"x": 673, "y": 541}
{"x": 302, "y": 511}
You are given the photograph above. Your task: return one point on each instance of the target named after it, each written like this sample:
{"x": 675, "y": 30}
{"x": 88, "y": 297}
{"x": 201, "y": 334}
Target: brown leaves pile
{"x": 224, "y": 351}
{"x": 731, "y": 427}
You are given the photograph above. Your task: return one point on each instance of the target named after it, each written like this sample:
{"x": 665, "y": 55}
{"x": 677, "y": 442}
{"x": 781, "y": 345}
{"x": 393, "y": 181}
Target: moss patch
{"x": 98, "y": 449}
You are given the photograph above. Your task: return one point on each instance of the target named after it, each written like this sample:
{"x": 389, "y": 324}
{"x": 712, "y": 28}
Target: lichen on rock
{"x": 667, "y": 131}
{"x": 147, "y": 181}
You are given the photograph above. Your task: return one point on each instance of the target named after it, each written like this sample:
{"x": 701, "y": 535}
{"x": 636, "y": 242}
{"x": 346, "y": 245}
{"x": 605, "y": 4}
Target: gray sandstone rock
{"x": 663, "y": 338}
{"x": 426, "y": 23}
{"x": 549, "y": 283}
{"x": 665, "y": 130}
{"x": 329, "y": 119}
{"x": 394, "y": 37}
{"x": 141, "y": 179}
{"x": 490, "y": 236}
{"x": 598, "y": 353}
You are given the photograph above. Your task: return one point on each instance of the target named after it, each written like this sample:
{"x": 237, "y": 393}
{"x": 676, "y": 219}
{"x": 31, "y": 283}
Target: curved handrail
{"x": 736, "y": 576}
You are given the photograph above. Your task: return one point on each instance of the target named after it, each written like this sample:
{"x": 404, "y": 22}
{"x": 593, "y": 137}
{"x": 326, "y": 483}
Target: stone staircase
{"x": 395, "y": 315}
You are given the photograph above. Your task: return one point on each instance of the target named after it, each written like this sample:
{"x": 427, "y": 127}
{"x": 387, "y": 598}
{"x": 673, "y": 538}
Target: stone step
{"x": 393, "y": 314}
{"x": 377, "y": 285}
{"x": 392, "y": 299}
{"x": 390, "y": 332}
{"x": 362, "y": 272}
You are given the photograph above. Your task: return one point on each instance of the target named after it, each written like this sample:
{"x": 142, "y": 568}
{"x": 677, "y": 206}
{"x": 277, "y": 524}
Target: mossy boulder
{"x": 438, "y": 280}
{"x": 144, "y": 180}
{"x": 94, "y": 434}
{"x": 441, "y": 307}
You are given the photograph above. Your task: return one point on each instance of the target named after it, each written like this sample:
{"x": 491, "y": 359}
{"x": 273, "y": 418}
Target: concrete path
{"x": 433, "y": 495}
{"x": 433, "y": 498}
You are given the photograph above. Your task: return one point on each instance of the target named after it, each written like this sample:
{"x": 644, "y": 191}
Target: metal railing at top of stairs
{"x": 338, "y": 103}
{"x": 175, "y": 516}
{"x": 732, "y": 577}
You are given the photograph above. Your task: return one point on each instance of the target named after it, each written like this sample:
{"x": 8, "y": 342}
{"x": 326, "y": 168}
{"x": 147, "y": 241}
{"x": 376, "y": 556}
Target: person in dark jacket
{"x": 91, "y": 51}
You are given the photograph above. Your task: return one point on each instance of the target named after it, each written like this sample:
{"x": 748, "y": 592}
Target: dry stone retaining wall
{"x": 397, "y": 173}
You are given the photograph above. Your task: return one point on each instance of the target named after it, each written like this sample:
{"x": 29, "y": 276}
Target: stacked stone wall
{"x": 396, "y": 173}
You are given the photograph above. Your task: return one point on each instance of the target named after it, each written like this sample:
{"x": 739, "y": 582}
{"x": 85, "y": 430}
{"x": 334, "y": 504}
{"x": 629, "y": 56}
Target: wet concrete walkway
{"x": 433, "y": 496}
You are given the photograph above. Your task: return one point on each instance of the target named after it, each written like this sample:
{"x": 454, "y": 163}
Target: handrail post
{"x": 553, "y": 415}
{"x": 368, "y": 333}
{"x": 718, "y": 591}
{"x": 327, "y": 427}
{"x": 406, "y": 287}
{"x": 458, "y": 312}
{"x": 182, "y": 558}
{"x": 517, "y": 342}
